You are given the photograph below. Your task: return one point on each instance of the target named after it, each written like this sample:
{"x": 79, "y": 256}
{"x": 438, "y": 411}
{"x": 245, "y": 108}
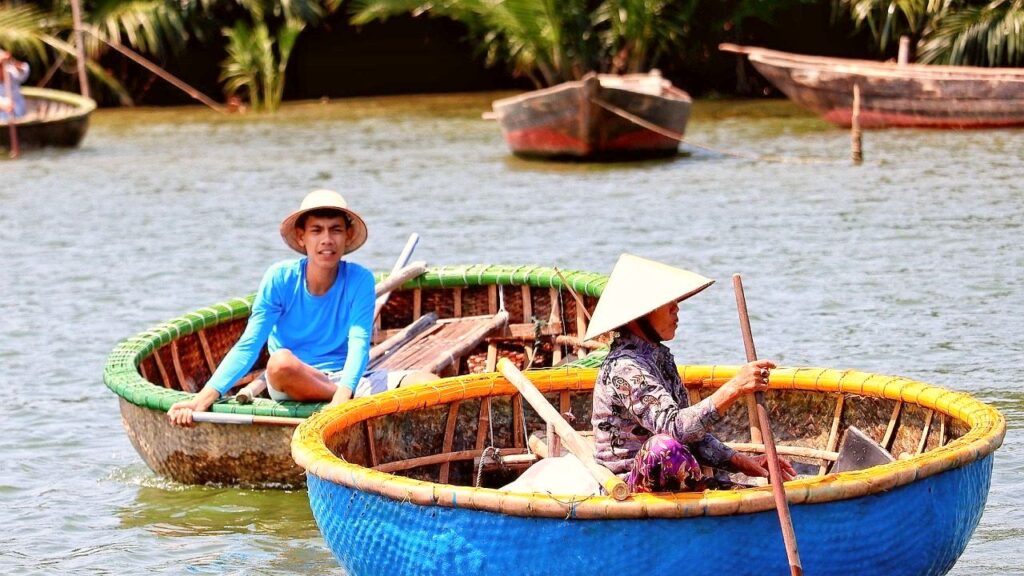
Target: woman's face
{"x": 665, "y": 320}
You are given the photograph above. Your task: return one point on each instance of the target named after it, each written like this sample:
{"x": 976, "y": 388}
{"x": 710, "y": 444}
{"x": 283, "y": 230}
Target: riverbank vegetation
{"x": 248, "y": 45}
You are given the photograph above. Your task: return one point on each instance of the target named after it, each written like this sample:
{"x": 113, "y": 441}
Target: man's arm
{"x": 265, "y": 312}
{"x": 359, "y": 332}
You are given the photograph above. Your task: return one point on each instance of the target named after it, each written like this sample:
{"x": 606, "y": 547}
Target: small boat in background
{"x": 894, "y": 94}
{"x": 601, "y": 117}
{"x": 52, "y": 118}
{"x": 451, "y": 320}
{"x": 416, "y": 481}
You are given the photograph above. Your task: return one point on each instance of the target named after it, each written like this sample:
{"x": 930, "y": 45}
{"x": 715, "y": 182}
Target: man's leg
{"x": 300, "y": 381}
{"x": 413, "y": 377}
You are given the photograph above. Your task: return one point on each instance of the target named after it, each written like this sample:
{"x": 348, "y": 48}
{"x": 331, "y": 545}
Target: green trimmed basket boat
{"x": 406, "y": 482}
{"x": 539, "y": 323}
{"x": 52, "y": 118}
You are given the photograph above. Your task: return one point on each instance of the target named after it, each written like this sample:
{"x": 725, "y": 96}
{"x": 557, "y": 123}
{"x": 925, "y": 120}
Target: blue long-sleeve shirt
{"x": 330, "y": 332}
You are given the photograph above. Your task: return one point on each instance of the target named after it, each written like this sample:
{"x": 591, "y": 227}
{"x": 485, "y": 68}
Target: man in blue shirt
{"x": 315, "y": 314}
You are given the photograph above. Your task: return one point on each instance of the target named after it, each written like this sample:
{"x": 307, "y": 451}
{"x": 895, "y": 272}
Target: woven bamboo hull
{"x": 913, "y": 516}
{"x": 895, "y": 95}
{"x": 172, "y": 361}
{"x": 566, "y": 121}
{"x": 53, "y": 118}
{"x": 918, "y": 530}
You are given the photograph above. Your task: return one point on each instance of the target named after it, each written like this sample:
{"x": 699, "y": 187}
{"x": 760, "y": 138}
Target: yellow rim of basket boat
{"x": 987, "y": 428}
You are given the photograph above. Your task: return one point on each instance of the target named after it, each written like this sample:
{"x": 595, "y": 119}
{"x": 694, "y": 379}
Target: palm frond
{"x": 22, "y": 31}
{"x": 147, "y": 25}
{"x": 989, "y": 35}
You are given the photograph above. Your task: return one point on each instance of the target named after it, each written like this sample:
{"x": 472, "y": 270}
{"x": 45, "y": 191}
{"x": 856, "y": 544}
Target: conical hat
{"x": 638, "y": 286}
{"x": 323, "y": 199}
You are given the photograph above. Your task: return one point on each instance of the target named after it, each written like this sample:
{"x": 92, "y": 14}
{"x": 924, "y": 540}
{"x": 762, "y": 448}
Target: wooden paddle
{"x": 571, "y": 439}
{"x": 775, "y": 473}
{"x": 11, "y": 120}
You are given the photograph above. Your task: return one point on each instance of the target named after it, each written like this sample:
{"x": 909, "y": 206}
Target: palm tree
{"x": 551, "y": 41}
{"x": 988, "y": 35}
{"x": 964, "y": 32}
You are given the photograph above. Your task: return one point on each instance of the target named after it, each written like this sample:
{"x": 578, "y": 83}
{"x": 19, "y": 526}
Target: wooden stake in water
{"x": 856, "y": 152}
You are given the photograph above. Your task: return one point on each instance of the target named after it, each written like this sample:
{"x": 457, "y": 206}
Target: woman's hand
{"x": 752, "y": 377}
{"x": 757, "y": 466}
{"x": 180, "y": 413}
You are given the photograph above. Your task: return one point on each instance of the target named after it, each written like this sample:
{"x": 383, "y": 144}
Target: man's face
{"x": 665, "y": 320}
{"x": 324, "y": 239}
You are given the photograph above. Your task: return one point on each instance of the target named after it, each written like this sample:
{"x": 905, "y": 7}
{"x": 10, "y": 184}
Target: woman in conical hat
{"x": 314, "y": 313}
{"x": 644, "y": 427}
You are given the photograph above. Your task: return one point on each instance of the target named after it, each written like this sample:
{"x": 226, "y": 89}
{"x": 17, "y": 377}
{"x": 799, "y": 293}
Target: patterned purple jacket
{"x": 638, "y": 393}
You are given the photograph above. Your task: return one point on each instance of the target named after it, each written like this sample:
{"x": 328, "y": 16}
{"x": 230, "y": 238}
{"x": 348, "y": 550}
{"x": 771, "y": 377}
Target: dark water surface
{"x": 910, "y": 264}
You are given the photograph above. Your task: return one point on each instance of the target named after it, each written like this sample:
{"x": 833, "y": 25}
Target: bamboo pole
{"x": 245, "y": 419}
{"x": 571, "y": 439}
{"x": 403, "y": 259}
{"x": 167, "y": 76}
{"x": 11, "y": 120}
{"x": 83, "y": 78}
{"x": 775, "y": 473}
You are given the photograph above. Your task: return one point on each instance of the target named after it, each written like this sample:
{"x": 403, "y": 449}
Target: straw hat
{"x": 316, "y": 200}
{"x": 638, "y": 286}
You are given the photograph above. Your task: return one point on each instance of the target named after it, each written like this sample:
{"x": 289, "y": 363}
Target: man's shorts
{"x": 372, "y": 382}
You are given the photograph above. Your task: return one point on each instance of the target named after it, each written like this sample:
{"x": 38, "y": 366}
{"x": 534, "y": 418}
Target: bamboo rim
{"x": 875, "y": 68}
{"x": 122, "y": 372}
{"x": 82, "y": 106}
{"x": 987, "y": 429}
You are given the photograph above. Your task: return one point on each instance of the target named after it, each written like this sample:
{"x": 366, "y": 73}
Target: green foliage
{"x": 149, "y": 26}
{"x": 552, "y": 41}
{"x": 989, "y": 35}
{"x": 965, "y": 32}
{"x": 24, "y": 30}
{"x": 255, "y": 64}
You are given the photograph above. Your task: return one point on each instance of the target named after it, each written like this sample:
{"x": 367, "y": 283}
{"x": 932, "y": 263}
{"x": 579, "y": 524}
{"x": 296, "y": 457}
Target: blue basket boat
{"x": 405, "y": 482}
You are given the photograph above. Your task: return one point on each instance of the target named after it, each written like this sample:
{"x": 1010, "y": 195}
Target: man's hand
{"x": 341, "y": 396}
{"x": 180, "y": 413}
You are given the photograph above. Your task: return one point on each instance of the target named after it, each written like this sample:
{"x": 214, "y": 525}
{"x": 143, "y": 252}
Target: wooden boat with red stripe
{"x": 601, "y": 117}
{"x": 894, "y": 95}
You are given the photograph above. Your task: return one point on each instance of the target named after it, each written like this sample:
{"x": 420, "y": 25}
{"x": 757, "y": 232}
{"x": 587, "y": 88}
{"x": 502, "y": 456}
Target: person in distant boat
{"x": 17, "y": 74}
{"x": 644, "y": 427}
{"x": 314, "y": 313}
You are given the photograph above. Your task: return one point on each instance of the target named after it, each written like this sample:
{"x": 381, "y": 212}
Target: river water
{"x": 910, "y": 264}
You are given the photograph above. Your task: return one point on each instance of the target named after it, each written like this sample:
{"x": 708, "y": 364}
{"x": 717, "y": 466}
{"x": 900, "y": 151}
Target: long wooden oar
{"x": 775, "y": 473}
{"x": 245, "y": 419}
{"x": 11, "y": 120}
{"x": 571, "y": 439}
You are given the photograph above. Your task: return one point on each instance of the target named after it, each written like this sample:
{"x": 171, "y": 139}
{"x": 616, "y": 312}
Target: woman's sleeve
{"x": 644, "y": 395}
{"x": 360, "y": 330}
{"x": 266, "y": 309}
